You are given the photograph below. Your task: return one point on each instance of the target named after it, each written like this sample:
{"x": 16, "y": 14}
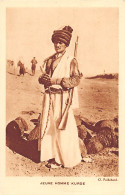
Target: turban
{"x": 63, "y": 35}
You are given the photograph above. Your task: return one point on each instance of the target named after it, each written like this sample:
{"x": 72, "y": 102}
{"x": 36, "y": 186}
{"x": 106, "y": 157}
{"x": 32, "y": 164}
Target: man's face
{"x": 60, "y": 47}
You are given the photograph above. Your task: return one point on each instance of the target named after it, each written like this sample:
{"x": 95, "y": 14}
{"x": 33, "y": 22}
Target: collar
{"x": 59, "y": 55}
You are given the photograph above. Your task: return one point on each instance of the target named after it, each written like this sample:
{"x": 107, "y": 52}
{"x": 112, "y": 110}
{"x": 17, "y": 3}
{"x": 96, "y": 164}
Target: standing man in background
{"x": 33, "y": 67}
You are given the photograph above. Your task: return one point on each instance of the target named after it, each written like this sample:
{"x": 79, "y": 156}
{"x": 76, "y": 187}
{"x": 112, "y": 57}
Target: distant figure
{"x": 22, "y": 68}
{"x": 10, "y": 62}
{"x": 10, "y": 66}
{"x": 33, "y": 67}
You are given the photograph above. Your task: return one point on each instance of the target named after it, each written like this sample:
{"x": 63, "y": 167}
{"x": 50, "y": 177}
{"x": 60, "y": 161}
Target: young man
{"x": 58, "y": 135}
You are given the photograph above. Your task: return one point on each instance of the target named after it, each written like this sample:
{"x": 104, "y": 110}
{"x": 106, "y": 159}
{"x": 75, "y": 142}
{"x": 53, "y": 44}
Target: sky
{"x": 29, "y": 32}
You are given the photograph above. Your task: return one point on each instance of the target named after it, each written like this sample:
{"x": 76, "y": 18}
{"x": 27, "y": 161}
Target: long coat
{"x": 61, "y": 144}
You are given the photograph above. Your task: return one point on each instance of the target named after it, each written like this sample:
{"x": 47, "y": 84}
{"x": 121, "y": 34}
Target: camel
{"x": 99, "y": 136}
{"x": 92, "y": 138}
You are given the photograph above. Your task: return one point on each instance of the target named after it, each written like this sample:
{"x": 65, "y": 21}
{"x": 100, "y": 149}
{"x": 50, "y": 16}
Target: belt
{"x": 56, "y": 91}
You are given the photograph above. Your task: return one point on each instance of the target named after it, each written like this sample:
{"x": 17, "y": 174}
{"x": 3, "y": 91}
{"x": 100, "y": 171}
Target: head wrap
{"x": 63, "y": 35}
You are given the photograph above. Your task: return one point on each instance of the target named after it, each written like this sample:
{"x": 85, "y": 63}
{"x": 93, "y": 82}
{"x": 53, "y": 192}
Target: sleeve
{"x": 74, "y": 78}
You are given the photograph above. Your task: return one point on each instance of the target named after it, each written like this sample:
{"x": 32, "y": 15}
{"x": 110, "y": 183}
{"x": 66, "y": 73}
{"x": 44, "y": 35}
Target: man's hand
{"x": 45, "y": 80}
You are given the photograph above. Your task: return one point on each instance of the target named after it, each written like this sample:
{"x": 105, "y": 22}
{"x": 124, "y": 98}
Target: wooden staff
{"x": 76, "y": 47}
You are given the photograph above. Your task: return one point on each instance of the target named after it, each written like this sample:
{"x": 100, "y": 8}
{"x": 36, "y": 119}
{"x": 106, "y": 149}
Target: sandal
{"x": 54, "y": 165}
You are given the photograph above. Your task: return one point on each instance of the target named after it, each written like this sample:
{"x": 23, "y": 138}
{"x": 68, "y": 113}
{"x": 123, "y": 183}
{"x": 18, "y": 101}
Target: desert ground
{"x": 98, "y": 100}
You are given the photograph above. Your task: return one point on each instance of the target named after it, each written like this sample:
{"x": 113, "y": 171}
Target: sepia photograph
{"x": 62, "y": 98}
{"x": 62, "y": 92}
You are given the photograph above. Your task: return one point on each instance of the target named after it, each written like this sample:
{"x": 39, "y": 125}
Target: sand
{"x": 98, "y": 101}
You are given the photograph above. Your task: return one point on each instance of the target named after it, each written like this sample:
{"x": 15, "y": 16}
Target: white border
{"x": 26, "y": 185}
